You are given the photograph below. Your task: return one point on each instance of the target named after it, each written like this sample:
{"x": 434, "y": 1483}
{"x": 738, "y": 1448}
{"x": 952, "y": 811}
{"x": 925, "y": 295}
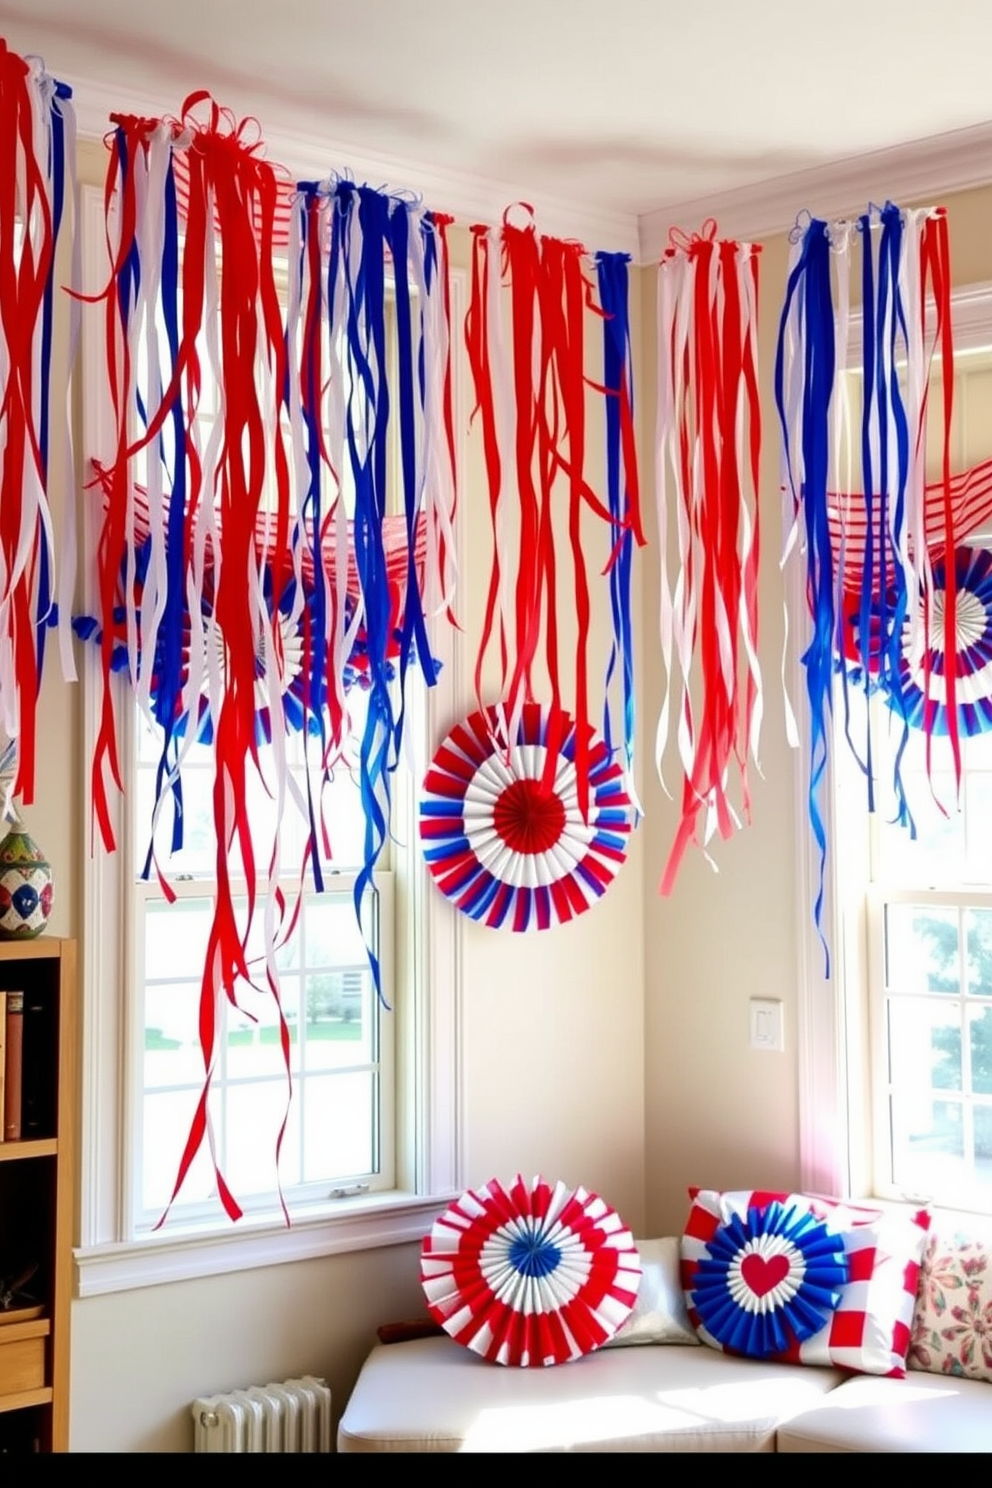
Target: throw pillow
{"x": 802, "y": 1278}
{"x": 659, "y": 1314}
{"x": 952, "y": 1326}
{"x": 532, "y": 1274}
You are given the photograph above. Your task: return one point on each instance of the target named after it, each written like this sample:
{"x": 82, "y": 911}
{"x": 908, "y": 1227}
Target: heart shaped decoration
{"x": 762, "y": 1274}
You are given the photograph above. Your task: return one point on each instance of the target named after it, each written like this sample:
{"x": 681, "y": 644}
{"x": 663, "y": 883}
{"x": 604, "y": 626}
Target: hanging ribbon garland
{"x": 37, "y": 142}
{"x": 878, "y": 543}
{"x": 253, "y": 575}
{"x": 352, "y": 418}
{"x": 530, "y": 387}
{"x": 303, "y": 703}
{"x": 204, "y": 622}
{"x": 708, "y": 445}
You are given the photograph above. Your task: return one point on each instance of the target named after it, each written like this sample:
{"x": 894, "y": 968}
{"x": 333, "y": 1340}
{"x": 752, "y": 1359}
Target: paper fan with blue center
{"x": 504, "y": 837}
{"x": 769, "y": 1282}
{"x": 922, "y": 699}
{"x": 926, "y": 699}
{"x": 536, "y": 1274}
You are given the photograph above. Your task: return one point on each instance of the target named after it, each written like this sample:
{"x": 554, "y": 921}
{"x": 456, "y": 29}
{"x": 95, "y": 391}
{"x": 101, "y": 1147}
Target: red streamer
{"x": 708, "y": 393}
{"x": 531, "y": 405}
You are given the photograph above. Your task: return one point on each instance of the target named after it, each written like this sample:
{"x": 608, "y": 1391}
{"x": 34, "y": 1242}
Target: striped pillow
{"x": 801, "y": 1278}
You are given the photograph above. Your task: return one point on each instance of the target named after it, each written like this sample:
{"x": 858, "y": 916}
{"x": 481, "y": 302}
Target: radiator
{"x": 294, "y": 1416}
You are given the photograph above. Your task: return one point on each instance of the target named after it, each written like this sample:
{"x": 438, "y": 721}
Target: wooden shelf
{"x": 42, "y": 948}
{"x": 36, "y": 1192}
{"x": 44, "y": 1147}
{"x": 26, "y": 1398}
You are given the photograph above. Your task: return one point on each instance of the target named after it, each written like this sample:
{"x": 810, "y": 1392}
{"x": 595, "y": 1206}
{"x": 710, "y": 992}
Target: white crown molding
{"x": 310, "y": 156}
{"x": 943, "y": 164}
{"x": 939, "y": 165}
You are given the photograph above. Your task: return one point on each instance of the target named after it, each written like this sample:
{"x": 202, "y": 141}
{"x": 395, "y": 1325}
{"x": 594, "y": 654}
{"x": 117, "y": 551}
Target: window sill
{"x": 362, "y": 1223}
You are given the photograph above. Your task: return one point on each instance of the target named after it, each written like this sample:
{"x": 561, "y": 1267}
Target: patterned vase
{"x": 25, "y": 887}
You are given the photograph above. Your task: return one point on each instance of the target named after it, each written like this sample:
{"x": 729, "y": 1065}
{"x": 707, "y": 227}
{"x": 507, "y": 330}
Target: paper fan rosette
{"x": 533, "y": 1275}
{"x": 927, "y": 703}
{"x": 504, "y": 844}
{"x": 770, "y": 1281}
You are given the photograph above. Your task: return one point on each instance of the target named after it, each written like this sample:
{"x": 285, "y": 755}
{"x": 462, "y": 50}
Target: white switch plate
{"x": 766, "y": 1024}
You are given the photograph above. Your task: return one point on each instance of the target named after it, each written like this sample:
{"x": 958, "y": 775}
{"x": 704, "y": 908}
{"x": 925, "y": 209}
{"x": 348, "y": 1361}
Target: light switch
{"x": 766, "y": 1024}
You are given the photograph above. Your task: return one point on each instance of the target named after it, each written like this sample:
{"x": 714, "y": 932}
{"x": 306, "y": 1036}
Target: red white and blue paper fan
{"x": 506, "y": 841}
{"x": 926, "y": 699}
{"x": 770, "y": 1280}
{"x": 807, "y": 1279}
{"x": 534, "y": 1275}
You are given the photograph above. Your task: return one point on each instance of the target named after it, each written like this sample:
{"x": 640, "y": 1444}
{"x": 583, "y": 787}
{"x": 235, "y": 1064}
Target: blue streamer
{"x": 167, "y": 699}
{"x": 617, "y": 373}
{"x": 883, "y": 579}
{"x": 311, "y": 512}
{"x": 809, "y": 284}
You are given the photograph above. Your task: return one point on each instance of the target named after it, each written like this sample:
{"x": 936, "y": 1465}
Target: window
{"x": 896, "y": 1075}
{"x": 339, "y": 1135}
{"x": 380, "y": 1183}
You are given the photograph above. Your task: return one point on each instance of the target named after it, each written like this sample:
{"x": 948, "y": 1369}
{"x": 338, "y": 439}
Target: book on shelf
{"x": 13, "y": 1065}
{"x": 3, "y": 1053}
{"x": 36, "y": 1086}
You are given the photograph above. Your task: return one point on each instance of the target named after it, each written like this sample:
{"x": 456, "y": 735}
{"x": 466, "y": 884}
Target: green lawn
{"x": 336, "y": 1031}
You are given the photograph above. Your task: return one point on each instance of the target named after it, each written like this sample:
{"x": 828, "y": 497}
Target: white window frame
{"x": 836, "y": 1126}
{"x": 429, "y": 1024}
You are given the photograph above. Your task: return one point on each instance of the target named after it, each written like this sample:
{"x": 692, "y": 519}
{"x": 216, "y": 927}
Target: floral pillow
{"x": 952, "y": 1325}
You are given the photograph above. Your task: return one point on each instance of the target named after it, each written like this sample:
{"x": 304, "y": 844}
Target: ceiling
{"x": 612, "y": 111}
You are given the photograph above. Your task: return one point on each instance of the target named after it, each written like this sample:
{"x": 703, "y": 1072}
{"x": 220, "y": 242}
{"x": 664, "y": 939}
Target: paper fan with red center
{"x": 506, "y": 841}
{"x": 533, "y": 1275}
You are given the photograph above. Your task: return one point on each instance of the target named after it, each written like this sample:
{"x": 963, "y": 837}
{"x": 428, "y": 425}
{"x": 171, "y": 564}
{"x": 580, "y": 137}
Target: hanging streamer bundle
{"x": 203, "y": 618}
{"x": 37, "y": 145}
{"x": 870, "y": 553}
{"x": 253, "y": 575}
{"x": 708, "y": 447}
{"x": 363, "y": 260}
{"x": 530, "y": 392}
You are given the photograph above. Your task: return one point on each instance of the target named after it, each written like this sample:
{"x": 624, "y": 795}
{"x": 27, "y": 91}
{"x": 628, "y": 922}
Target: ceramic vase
{"x": 25, "y": 887}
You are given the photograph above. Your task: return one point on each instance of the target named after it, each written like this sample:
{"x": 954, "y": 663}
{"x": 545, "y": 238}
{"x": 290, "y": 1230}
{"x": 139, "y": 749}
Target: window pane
{"x": 167, "y": 1118}
{"x": 927, "y": 1144}
{"x": 980, "y": 1035}
{"x": 921, "y": 949}
{"x": 983, "y": 1143}
{"x": 978, "y": 930}
{"x": 172, "y": 1051}
{"x": 937, "y": 854}
{"x": 924, "y": 1044}
{"x": 176, "y": 938}
{"x": 254, "y": 1039}
{"x": 978, "y": 826}
{"x": 338, "y": 1112}
{"x": 332, "y": 935}
{"x": 254, "y": 1113}
{"x": 329, "y": 1003}
{"x": 339, "y": 1019}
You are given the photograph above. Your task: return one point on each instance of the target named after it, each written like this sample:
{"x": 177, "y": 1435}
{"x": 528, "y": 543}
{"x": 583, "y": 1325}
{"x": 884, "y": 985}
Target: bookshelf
{"x": 36, "y": 1199}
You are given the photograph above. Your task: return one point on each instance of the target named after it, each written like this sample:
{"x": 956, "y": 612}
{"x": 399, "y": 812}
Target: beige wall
{"x": 553, "y": 1083}
{"x": 719, "y": 1113}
